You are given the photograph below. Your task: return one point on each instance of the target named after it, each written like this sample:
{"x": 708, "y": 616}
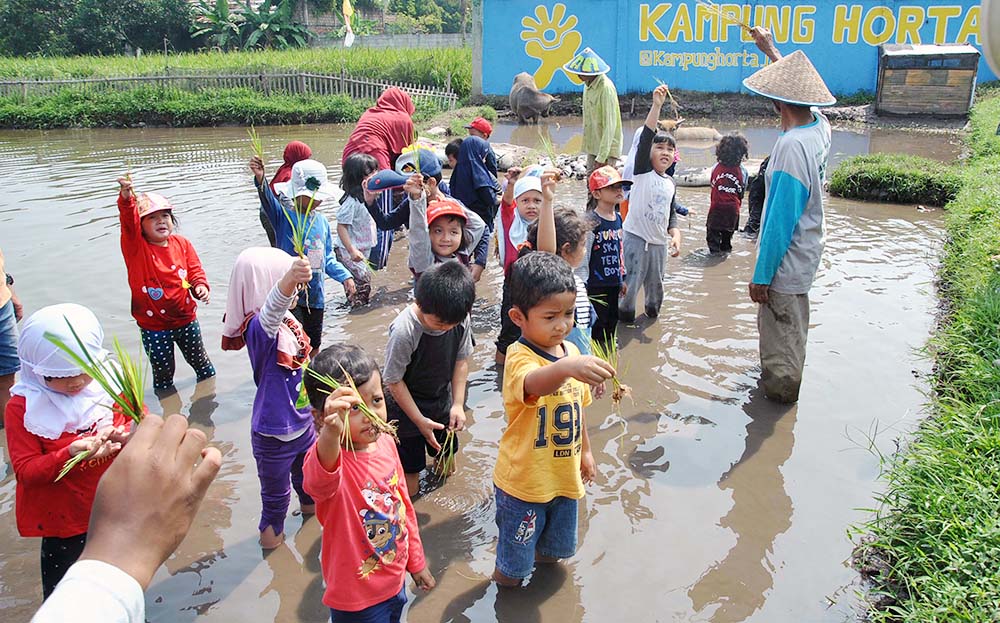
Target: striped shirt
{"x": 582, "y": 305}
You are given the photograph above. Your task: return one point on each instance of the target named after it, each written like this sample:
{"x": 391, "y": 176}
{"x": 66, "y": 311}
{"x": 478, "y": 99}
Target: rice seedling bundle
{"x": 330, "y": 384}
{"x": 125, "y": 381}
{"x": 673, "y": 103}
{"x": 725, "y": 15}
{"x": 609, "y": 353}
{"x": 444, "y": 464}
{"x": 255, "y": 143}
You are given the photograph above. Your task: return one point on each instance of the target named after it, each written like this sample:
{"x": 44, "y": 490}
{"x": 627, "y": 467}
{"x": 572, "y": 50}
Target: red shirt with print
{"x": 44, "y": 507}
{"x": 161, "y": 278}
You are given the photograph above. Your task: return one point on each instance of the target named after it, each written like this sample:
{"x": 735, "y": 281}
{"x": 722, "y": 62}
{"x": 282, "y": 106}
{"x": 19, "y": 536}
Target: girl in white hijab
{"x": 55, "y": 413}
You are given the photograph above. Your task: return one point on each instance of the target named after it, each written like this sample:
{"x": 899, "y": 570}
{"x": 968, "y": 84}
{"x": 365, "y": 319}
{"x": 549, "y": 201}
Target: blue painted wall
{"x": 688, "y": 46}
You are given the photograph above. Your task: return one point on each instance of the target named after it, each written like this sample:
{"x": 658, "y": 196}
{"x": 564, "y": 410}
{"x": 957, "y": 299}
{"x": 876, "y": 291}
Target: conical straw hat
{"x": 587, "y": 63}
{"x": 791, "y": 79}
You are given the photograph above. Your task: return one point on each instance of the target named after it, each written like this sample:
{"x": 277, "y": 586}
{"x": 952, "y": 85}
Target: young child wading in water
{"x": 370, "y": 534}
{"x": 165, "y": 276}
{"x": 262, "y": 289}
{"x": 57, "y": 412}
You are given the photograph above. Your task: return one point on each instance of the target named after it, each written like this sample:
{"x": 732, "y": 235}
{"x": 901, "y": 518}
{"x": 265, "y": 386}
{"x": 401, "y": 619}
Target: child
{"x": 356, "y": 234}
{"x": 262, "y": 289}
{"x": 604, "y": 262}
{"x": 544, "y": 457}
{"x": 57, "y": 412}
{"x": 473, "y": 182}
{"x": 370, "y": 534}
{"x": 651, "y": 223}
{"x": 308, "y": 184}
{"x": 451, "y": 152}
{"x": 518, "y": 211}
{"x": 165, "y": 276}
{"x": 426, "y": 365}
{"x": 295, "y": 151}
{"x": 481, "y": 128}
{"x": 564, "y": 231}
{"x": 729, "y": 182}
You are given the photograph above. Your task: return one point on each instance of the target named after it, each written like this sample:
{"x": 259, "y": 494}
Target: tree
{"x": 33, "y": 27}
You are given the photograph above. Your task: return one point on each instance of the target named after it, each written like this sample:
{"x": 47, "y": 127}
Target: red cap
{"x": 444, "y": 206}
{"x": 482, "y": 125}
{"x": 604, "y": 177}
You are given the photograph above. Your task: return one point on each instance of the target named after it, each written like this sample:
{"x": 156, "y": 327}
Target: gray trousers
{"x": 783, "y": 323}
{"x": 644, "y": 264}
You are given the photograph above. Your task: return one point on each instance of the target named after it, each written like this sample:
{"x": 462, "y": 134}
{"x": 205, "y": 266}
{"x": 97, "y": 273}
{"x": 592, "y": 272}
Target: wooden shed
{"x": 936, "y": 80}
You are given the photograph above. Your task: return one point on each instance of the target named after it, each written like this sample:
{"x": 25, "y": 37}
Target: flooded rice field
{"x": 711, "y": 504}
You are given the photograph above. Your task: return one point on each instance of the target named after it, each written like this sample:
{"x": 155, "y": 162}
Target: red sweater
{"x": 161, "y": 278}
{"x": 44, "y": 507}
{"x": 370, "y": 536}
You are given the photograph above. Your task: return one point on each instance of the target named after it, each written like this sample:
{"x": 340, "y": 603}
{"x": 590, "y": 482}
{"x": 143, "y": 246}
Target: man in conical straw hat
{"x": 602, "y": 119}
{"x": 791, "y": 236}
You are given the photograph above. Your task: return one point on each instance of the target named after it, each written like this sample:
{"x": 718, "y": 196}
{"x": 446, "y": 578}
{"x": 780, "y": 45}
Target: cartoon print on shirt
{"x": 377, "y": 498}
{"x": 182, "y": 273}
{"x": 382, "y": 533}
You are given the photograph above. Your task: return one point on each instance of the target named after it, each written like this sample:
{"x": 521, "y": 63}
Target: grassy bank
{"x": 420, "y": 66}
{"x": 170, "y": 107}
{"x": 934, "y": 547}
{"x": 896, "y": 178}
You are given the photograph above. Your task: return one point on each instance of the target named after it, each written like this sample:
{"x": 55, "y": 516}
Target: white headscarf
{"x": 48, "y": 413}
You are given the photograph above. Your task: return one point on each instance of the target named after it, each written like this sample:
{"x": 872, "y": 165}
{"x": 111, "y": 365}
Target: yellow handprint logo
{"x": 552, "y": 41}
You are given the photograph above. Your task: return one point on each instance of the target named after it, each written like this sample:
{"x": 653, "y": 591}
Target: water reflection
{"x": 738, "y": 584}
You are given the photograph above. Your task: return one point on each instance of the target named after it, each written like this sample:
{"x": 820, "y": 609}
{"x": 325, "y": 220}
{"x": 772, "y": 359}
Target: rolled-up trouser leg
{"x": 783, "y": 323}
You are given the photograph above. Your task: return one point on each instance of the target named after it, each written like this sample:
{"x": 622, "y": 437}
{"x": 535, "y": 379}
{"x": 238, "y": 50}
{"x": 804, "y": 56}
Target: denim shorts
{"x": 526, "y": 528}
{"x": 389, "y": 611}
{"x": 9, "y": 363}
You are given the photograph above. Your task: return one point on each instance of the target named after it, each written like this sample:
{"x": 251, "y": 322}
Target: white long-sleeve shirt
{"x": 94, "y": 592}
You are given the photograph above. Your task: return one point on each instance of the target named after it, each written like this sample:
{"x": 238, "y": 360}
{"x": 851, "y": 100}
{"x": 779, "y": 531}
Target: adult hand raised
{"x": 147, "y": 499}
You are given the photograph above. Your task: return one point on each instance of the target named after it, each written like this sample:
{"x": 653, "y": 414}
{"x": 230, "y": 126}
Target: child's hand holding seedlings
{"x": 331, "y": 424}
{"x": 125, "y": 186}
{"x": 116, "y": 434}
{"x": 300, "y": 273}
{"x": 456, "y": 417}
{"x": 414, "y": 187}
{"x": 257, "y": 168}
{"x": 201, "y": 293}
{"x": 512, "y": 174}
{"x": 96, "y": 446}
{"x": 424, "y": 579}
{"x": 660, "y": 95}
{"x": 587, "y": 369}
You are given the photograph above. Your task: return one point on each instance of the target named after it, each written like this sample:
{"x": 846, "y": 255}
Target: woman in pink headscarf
{"x": 382, "y": 132}
{"x": 296, "y": 151}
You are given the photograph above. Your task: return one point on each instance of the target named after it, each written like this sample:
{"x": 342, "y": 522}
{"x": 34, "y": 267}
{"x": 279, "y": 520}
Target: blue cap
{"x": 385, "y": 179}
{"x": 430, "y": 164}
{"x": 587, "y": 63}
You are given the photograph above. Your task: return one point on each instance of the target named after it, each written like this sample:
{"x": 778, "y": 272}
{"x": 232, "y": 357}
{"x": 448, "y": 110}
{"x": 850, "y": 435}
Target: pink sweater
{"x": 370, "y": 535}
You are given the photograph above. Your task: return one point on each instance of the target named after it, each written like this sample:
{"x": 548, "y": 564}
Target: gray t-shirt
{"x": 360, "y": 226}
{"x": 404, "y": 337}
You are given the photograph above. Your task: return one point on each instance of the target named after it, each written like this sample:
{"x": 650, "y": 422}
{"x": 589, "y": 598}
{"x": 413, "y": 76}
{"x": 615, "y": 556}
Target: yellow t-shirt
{"x": 540, "y": 451}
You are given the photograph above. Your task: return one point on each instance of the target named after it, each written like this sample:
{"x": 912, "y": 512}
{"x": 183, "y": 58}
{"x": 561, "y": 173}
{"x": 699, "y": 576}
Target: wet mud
{"x": 711, "y": 504}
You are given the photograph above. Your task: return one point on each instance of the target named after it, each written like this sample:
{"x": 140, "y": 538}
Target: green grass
{"x": 933, "y": 545}
{"x": 173, "y": 107}
{"x": 896, "y": 178}
{"x": 429, "y": 67}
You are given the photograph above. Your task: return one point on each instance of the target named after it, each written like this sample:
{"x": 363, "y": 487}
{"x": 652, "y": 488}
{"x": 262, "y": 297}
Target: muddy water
{"x": 711, "y": 505}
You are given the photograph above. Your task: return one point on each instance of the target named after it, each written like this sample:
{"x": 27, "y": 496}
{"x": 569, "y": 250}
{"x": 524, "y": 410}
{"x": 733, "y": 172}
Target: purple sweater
{"x": 274, "y": 411}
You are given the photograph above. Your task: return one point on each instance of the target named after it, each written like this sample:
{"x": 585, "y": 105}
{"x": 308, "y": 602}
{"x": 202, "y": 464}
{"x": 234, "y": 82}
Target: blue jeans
{"x": 388, "y": 611}
{"x": 9, "y": 362}
{"x": 527, "y": 528}
{"x": 159, "y": 346}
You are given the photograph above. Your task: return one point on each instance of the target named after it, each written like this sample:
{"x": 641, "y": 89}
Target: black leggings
{"x": 311, "y": 319}
{"x": 719, "y": 240}
{"x": 58, "y": 555}
{"x": 605, "y": 300}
